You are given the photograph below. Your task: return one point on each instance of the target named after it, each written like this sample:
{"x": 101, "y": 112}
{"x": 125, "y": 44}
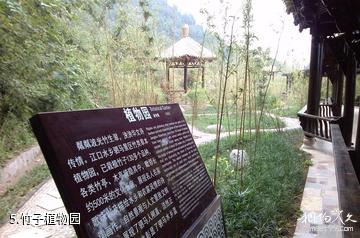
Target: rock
{"x": 238, "y": 157}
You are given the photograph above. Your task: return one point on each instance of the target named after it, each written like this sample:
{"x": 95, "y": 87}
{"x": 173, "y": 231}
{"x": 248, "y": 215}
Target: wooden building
{"x": 334, "y": 59}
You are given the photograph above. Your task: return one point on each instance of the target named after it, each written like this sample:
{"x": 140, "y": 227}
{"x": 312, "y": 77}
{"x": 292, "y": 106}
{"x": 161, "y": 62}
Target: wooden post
{"x": 347, "y": 123}
{"x": 167, "y": 86}
{"x": 314, "y": 89}
{"x": 338, "y": 84}
{"x": 291, "y": 78}
{"x": 185, "y": 76}
{"x": 167, "y": 75}
{"x": 202, "y": 76}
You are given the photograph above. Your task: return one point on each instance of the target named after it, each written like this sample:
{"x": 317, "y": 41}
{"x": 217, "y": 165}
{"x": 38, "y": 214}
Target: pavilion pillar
{"x": 287, "y": 83}
{"x": 185, "y": 75}
{"x": 167, "y": 74}
{"x": 348, "y": 119}
{"x": 202, "y": 76}
{"x": 337, "y": 90}
{"x": 316, "y": 57}
{"x": 167, "y": 86}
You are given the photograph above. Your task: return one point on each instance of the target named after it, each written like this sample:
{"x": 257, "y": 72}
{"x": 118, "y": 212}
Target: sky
{"x": 269, "y": 17}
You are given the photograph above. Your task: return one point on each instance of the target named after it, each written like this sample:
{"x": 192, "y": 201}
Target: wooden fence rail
{"x": 347, "y": 182}
{"x": 318, "y": 126}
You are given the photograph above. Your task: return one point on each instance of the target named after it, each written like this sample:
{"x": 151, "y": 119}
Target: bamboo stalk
{"x": 223, "y": 100}
{"x": 267, "y": 86}
{"x": 247, "y": 19}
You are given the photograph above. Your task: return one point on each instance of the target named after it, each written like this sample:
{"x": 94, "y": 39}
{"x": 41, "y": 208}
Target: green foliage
{"x": 271, "y": 101}
{"x": 39, "y": 70}
{"x": 267, "y": 204}
{"x": 67, "y": 55}
{"x": 198, "y": 94}
{"x": 298, "y": 93}
{"x": 198, "y": 99}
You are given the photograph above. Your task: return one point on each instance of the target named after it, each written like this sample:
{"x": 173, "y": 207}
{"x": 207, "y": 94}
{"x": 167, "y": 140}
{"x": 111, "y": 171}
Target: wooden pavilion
{"x": 185, "y": 54}
{"x": 335, "y": 53}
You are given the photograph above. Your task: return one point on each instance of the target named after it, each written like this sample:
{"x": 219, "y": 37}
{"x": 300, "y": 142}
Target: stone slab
{"x": 50, "y": 203}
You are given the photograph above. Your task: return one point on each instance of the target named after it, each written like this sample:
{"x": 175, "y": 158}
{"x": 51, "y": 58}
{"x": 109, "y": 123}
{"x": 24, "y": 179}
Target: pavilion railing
{"x": 318, "y": 126}
{"x": 325, "y": 110}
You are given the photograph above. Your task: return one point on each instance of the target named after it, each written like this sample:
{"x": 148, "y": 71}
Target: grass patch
{"x": 16, "y": 194}
{"x": 202, "y": 110}
{"x": 229, "y": 123}
{"x": 290, "y": 111}
{"x": 267, "y": 205}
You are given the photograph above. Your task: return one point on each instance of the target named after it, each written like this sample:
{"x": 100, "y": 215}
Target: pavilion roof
{"x": 187, "y": 48}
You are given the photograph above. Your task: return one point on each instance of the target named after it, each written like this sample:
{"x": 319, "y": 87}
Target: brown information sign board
{"x": 130, "y": 172}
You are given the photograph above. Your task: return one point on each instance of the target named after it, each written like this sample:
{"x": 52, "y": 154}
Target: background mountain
{"x": 170, "y": 20}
